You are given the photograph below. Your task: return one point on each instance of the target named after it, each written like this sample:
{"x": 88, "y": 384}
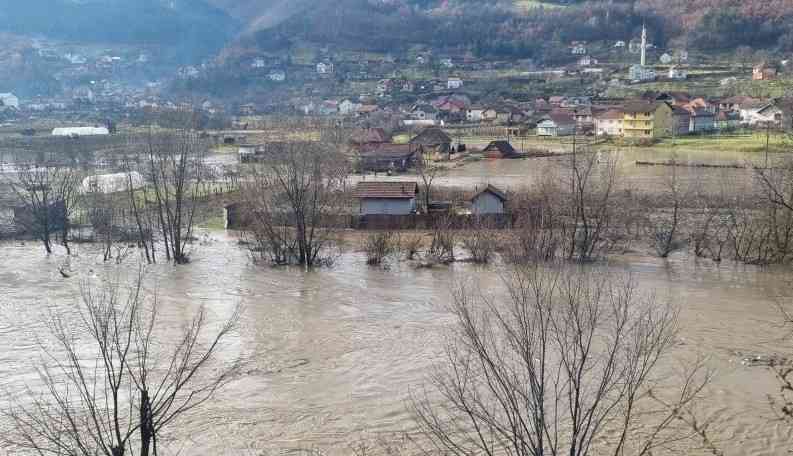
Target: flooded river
{"x": 332, "y": 355}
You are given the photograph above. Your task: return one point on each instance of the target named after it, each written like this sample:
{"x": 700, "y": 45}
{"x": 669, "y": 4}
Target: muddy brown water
{"x": 332, "y": 355}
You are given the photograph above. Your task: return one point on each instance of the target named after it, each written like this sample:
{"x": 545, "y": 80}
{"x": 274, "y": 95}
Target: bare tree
{"x": 565, "y": 360}
{"x": 590, "y": 196}
{"x": 174, "y": 167}
{"x": 669, "y": 219}
{"x": 48, "y": 194}
{"x": 428, "y": 172}
{"x": 292, "y": 198}
{"x": 115, "y": 391}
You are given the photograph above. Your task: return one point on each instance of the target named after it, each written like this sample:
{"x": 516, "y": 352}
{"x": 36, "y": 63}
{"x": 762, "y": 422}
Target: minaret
{"x": 644, "y": 45}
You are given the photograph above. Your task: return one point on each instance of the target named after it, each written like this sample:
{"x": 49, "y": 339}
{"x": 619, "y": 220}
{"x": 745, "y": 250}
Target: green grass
{"x": 527, "y": 5}
{"x": 729, "y": 143}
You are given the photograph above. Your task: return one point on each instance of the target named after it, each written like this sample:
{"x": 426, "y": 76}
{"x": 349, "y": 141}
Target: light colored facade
{"x": 80, "y": 131}
{"x": 645, "y": 121}
{"x": 454, "y": 83}
{"x": 9, "y": 100}
{"x": 550, "y": 127}
{"x": 641, "y": 73}
{"x": 609, "y": 123}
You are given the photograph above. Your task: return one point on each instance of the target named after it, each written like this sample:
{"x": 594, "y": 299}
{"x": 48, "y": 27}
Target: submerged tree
{"x": 111, "y": 383}
{"x": 568, "y": 363}
{"x": 292, "y": 197}
{"x": 48, "y": 194}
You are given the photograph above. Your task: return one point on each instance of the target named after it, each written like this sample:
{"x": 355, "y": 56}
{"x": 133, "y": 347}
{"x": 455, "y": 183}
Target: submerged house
{"x": 500, "y": 149}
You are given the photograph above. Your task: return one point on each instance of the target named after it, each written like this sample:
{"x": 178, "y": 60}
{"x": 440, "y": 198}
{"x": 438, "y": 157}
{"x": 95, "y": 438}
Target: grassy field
{"x": 527, "y": 5}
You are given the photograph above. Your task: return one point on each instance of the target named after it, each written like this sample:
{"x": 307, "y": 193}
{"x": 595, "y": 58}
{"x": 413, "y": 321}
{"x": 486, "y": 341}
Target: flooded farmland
{"x": 332, "y": 355}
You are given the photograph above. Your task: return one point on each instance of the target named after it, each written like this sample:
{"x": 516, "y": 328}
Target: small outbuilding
{"x": 500, "y": 149}
{"x": 387, "y": 198}
{"x": 488, "y": 201}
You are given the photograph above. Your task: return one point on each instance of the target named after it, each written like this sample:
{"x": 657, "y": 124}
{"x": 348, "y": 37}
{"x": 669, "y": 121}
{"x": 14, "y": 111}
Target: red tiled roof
{"x": 390, "y": 190}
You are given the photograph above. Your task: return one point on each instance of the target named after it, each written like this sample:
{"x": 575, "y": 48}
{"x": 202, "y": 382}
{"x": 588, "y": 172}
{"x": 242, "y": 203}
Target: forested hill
{"x": 516, "y": 28}
{"x": 195, "y": 26}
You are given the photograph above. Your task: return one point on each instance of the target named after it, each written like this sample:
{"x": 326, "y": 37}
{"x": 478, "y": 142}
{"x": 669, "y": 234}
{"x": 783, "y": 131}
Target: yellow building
{"x": 647, "y": 120}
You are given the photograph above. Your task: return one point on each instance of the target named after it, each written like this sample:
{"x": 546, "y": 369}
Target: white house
{"x": 587, "y": 61}
{"x": 80, "y": 131}
{"x": 677, "y": 73}
{"x": 454, "y": 83}
{"x": 347, "y": 107}
{"x": 277, "y": 75}
{"x": 258, "y": 63}
{"x": 556, "y": 124}
{"x": 324, "y": 68}
{"x": 475, "y": 114}
{"x": 9, "y": 100}
{"x": 665, "y": 59}
{"x": 447, "y": 63}
{"x": 609, "y": 123}
{"x": 760, "y": 113}
{"x": 579, "y": 49}
{"x": 640, "y": 73}
{"x": 619, "y": 44}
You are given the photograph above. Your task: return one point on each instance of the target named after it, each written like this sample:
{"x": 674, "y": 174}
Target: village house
{"x": 446, "y": 63}
{"x": 764, "y": 72}
{"x": 759, "y": 112}
{"x": 702, "y": 120}
{"x": 277, "y": 75}
{"x": 387, "y": 198}
{"x": 500, "y": 149}
{"x": 587, "y": 60}
{"x": 681, "y": 121}
{"x": 676, "y": 73}
{"x": 454, "y": 83}
{"x": 434, "y": 142}
{"x": 578, "y": 49}
{"x": 9, "y": 100}
{"x": 646, "y": 120}
{"x": 347, "y": 107}
{"x": 475, "y": 114}
{"x": 665, "y": 59}
{"x": 734, "y": 104}
{"x": 324, "y": 68}
{"x": 641, "y": 73}
{"x": 583, "y": 118}
{"x": 424, "y": 112}
{"x": 385, "y": 157}
{"x": 488, "y": 201}
{"x": 369, "y": 136}
{"x": 365, "y": 110}
{"x": 556, "y": 123}
{"x": 609, "y": 122}
{"x": 258, "y": 63}
{"x": 727, "y": 120}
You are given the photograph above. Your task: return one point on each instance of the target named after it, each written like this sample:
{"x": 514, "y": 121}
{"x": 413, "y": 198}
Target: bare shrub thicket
{"x": 538, "y": 233}
{"x": 567, "y": 362}
{"x": 111, "y": 385}
{"x": 667, "y": 224}
{"x": 292, "y": 197}
{"x": 379, "y": 246}
{"x": 444, "y": 241}
{"x": 410, "y": 245}
{"x": 481, "y": 240}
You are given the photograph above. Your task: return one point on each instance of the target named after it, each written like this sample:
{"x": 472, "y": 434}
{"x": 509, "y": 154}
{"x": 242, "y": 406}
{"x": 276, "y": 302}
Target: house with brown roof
{"x": 500, "y": 149}
{"x": 681, "y": 121}
{"x": 387, "y": 198}
{"x": 764, "y": 72}
{"x": 384, "y": 157}
{"x": 364, "y": 136}
{"x": 434, "y": 142}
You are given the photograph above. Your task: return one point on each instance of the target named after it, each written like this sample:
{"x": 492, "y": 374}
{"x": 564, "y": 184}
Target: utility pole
{"x": 767, "y": 141}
